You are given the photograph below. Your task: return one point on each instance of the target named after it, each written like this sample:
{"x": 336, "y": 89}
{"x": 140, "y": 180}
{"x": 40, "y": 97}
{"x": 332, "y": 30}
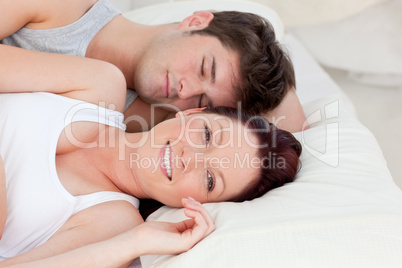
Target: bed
{"x": 343, "y": 209}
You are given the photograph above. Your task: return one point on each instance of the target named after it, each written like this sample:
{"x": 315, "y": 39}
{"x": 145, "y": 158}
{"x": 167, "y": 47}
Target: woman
{"x": 71, "y": 174}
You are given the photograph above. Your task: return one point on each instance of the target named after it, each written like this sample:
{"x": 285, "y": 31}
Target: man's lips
{"x": 165, "y": 86}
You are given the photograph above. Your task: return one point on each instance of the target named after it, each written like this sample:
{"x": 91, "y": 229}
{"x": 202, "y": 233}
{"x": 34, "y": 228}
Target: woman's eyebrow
{"x": 218, "y": 142}
{"x": 222, "y": 179}
{"x": 218, "y": 136}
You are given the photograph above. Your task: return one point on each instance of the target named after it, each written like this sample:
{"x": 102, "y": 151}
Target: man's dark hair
{"x": 266, "y": 71}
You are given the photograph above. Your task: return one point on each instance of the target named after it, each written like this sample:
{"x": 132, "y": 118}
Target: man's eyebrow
{"x": 200, "y": 101}
{"x": 213, "y": 74}
{"x": 213, "y": 70}
{"x": 209, "y": 102}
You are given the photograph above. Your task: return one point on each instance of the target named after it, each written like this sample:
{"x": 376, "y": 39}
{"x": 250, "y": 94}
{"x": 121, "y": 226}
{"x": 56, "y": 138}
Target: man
{"x": 208, "y": 59}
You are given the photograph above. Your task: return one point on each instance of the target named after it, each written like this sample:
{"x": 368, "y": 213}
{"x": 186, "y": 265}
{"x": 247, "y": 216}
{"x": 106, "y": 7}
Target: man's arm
{"x": 141, "y": 116}
{"x": 80, "y": 78}
{"x": 289, "y": 114}
{"x": 3, "y": 198}
{"x": 29, "y": 71}
{"x": 15, "y": 14}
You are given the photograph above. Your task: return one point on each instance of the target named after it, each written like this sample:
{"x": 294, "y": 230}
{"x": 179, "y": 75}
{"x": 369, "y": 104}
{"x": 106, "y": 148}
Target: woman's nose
{"x": 192, "y": 159}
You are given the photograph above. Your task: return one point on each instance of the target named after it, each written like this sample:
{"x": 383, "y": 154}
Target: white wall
{"x": 126, "y": 5}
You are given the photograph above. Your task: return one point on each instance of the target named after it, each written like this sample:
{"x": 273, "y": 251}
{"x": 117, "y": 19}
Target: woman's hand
{"x": 3, "y": 198}
{"x": 175, "y": 238}
{"x": 147, "y": 238}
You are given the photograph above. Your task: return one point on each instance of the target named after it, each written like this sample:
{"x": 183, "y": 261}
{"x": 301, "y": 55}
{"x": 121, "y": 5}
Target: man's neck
{"x": 122, "y": 43}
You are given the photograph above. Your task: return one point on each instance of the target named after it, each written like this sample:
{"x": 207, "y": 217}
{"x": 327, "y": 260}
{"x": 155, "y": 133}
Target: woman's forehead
{"x": 237, "y": 168}
{"x": 226, "y": 131}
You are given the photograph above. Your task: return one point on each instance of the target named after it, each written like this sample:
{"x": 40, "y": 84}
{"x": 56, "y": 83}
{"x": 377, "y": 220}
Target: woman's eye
{"x": 202, "y": 67}
{"x": 207, "y": 136}
{"x": 210, "y": 182}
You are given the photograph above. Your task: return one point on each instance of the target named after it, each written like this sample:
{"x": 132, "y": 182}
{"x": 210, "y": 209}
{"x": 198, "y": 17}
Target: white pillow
{"x": 343, "y": 200}
{"x": 177, "y": 11}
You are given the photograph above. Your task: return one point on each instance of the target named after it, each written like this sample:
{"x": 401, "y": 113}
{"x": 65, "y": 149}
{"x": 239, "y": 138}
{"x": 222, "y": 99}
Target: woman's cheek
{"x": 191, "y": 190}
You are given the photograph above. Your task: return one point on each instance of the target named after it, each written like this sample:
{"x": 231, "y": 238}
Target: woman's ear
{"x": 189, "y": 112}
{"x": 199, "y": 20}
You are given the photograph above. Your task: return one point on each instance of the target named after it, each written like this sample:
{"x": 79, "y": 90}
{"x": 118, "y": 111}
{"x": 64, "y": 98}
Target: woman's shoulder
{"x": 105, "y": 220}
{"x": 107, "y": 214}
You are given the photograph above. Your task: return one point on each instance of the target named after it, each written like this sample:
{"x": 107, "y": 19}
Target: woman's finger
{"x": 200, "y": 228}
{"x": 185, "y": 225}
{"x": 192, "y": 204}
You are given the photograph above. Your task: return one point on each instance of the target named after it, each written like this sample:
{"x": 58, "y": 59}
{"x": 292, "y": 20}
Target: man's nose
{"x": 190, "y": 88}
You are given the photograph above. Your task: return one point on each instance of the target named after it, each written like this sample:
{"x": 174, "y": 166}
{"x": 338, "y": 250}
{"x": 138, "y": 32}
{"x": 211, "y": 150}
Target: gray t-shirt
{"x": 72, "y": 39}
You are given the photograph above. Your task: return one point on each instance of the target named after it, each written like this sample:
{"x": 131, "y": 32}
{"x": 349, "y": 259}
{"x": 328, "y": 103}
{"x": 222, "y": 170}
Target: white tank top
{"x": 37, "y": 203}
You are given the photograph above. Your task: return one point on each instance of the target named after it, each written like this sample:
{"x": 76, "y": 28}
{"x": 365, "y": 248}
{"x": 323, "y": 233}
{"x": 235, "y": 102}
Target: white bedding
{"x": 343, "y": 210}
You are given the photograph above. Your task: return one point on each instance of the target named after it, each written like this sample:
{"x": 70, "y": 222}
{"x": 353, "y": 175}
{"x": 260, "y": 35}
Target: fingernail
{"x": 191, "y": 198}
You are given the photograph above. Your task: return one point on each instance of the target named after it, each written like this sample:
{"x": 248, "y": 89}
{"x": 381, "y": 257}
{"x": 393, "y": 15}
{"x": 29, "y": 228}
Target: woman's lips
{"x": 166, "y": 153}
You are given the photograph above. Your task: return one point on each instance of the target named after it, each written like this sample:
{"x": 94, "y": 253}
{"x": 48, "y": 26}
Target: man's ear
{"x": 189, "y": 111}
{"x": 199, "y": 20}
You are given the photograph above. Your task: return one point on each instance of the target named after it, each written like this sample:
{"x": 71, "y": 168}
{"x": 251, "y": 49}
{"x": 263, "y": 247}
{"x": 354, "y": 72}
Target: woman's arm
{"x": 147, "y": 238}
{"x": 3, "y": 197}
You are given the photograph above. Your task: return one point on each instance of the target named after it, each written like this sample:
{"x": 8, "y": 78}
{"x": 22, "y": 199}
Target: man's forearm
{"x": 75, "y": 77}
{"x": 289, "y": 114}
